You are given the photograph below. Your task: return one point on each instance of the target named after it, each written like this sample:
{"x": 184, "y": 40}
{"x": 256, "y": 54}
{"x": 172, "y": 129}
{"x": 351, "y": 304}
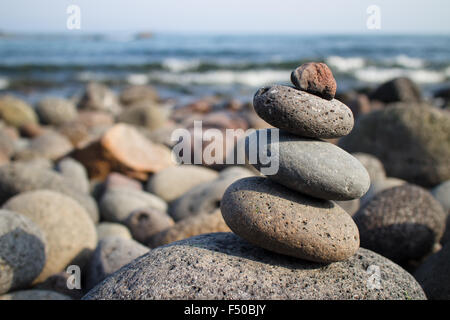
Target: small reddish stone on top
{"x": 315, "y": 78}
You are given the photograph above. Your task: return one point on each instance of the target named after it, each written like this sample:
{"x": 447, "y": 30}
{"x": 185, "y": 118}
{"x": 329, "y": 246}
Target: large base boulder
{"x": 223, "y": 266}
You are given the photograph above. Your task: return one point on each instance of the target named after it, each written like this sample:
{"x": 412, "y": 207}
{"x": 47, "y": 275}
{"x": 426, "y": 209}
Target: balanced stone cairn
{"x": 291, "y": 212}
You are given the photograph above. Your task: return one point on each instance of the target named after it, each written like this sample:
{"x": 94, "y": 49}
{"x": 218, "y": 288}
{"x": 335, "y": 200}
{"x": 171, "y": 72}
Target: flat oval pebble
{"x": 281, "y": 220}
{"x": 224, "y": 266}
{"x": 302, "y": 113}
{"x": 316, "y": 168}
{"x": 118, "y": 203}
{"x": 172, "y": 182}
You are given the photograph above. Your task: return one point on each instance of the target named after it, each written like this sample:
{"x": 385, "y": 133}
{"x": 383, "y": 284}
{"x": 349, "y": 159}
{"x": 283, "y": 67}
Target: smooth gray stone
{"x": 313, "y": 167}
{"x": 224, "y": 266}
{"x": 118, "y": 203}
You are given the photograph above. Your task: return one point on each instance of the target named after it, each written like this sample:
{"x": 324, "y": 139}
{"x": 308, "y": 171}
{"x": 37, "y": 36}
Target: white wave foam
{"x": 378, "y": 75}
{"x": 408, "y": 62}
{"x": 179, "y": 65}
{"x": 4, "y": 83}
{"x": 224, "y": 77}
{"x": 447, "y": 72}
{"x": 137, "y": 79}
{"x": 86, "y": 76}
{"x": 345, "y": 64}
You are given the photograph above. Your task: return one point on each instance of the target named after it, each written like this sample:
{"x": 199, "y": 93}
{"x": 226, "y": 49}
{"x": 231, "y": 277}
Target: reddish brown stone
{"x": 315, "y": 78}
{"x": 131, "y": 149}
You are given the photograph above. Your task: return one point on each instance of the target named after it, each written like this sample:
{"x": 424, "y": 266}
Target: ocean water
{"x": 190, "y": 66}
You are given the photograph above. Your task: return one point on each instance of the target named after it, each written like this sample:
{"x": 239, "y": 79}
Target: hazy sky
{"x": 230, "y": 16}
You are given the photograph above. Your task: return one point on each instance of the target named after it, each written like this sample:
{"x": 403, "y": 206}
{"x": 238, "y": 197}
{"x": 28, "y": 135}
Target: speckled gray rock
{"x": 372, "y": 164}
{"x": 302, "y": 113}
{"x": 108, "y": 229}
{"x": 69, "y": 232}
{"x": 204, "y": 198}
{"x": 281, "y": 220}
{"x": 19, "y": 177}
{"x": 146, "y": 222}
{"x": 172, "y": 182}
{"x": 401, "y": 223}
{"x": 111, "y": 254}
{"x": 434, "y": 275}
{"x": 34, "y": 295}
{"x": 224, "y": 266}
{"x": 56, "y": 111}
{"x": 74, "y": 172}
{"x": 118, "y": 203}
{"x": 50, "y": 145}
{"x": 22, "y": 251}
{"x": 316, "y": 168}
{"x": 412, "y": 142}
{"x": 189, "y": 227}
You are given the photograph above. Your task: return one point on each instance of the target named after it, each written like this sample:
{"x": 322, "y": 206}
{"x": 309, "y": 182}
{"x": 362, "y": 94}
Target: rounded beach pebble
{"x": 302, "y": 113}
{"x": 413, "y": 142}
{"x": 315, "y": 78}
{"x": 74, "y": 172}
{"x": 56, "y": 111}
{"x": 316, "y": 168}
{"x": 223, "y": 266}
{"x": 146, "y": 222}
{"x": 118, "y": 203}
{"x": 22, "y": 251}
{"x": 111, "y": 254}
{"x": 172, "y": 182}
{"x": 401, "y": 223}
{"x": 67, "y": 227}
{"x": 20, "y": 177}
{"x": 204, "y": 198}
{"x": 108, "y": 229}
{"x": 281, "y": 220}
{"x": 189, "y": 227}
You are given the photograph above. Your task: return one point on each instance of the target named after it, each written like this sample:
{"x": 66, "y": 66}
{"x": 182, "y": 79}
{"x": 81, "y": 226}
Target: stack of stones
{"x": 292, "y": 212}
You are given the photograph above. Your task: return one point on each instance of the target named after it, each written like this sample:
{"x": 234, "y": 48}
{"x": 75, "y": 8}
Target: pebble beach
{"x": 358, "y": 207}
